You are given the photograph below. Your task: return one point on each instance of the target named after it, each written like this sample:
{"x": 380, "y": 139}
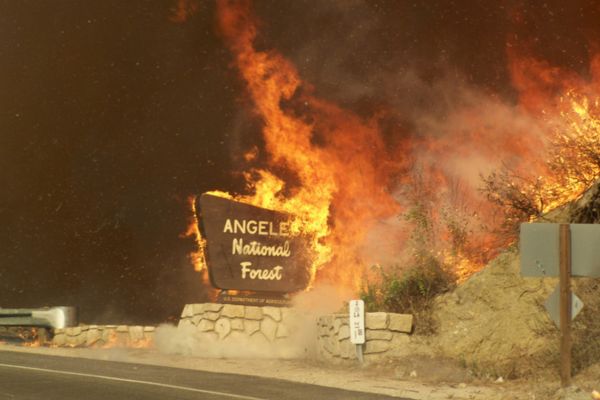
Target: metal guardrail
{"x": 48, "y": 317}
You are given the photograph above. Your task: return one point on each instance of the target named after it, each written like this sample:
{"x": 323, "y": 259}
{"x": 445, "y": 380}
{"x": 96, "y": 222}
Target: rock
{"x": 344, "y": 332}
{"x": 81, "y": 339}
{"x": 336, "y": 325}
{"x": 184, "y": 323}
{"x": 282, "y": 331}
{"x": 268, "y": 327}
{"x": 232, "y": 311}
{"x": 252, "y": 312}
{"x": 259, "y": 341}
{"x": 187, "y": 311}
{"x": 347, "y": 349}
{"x": 59, "y": 339}
{"x": 198, "y": 309}
{"x": 72, "y": 340}
{"x": 378, "y": 335}
{"x": 196, "y": 319}
{"x": 323, "y": 330}
{"x": 237, "y": 324}
{"x": 462, "y": 385}
{"x": 122, "y": 328}
{"x": 376, "y": 320}
{"x": 400, "y": 322}
{"x": 73, "y": 331}
{"x": 214, "y": 307}
{"x": 136, "y": 333}
{"x": 93, "y": 335}
{"x": 326, "y": 320}
{"x": 377, "y": 346}
{"x": 251, "y": 326}
{"x": 109, "y": 335}
{"x": 273, "y": 312}
{"x": 413, "y": 374}
{"x": 499, "y": 380}
{"x": 211, "y": 315}
{"x": 222, "y": 327}
{"x": 149, "y": 328}
{"x": 206, "y": 325}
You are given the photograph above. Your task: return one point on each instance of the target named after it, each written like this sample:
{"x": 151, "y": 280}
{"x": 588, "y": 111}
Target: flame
{"x": 346, "y": 187}
{"x": 340, "y": 188}
{"x": 114, "y": 340}
{"x": 193, "y": 231}
{"x": 197, "y": 256}
{"x": 569, "y": 105}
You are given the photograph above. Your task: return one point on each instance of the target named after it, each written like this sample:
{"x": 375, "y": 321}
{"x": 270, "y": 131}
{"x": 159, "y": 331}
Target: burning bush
{"x": 571, "y": 167}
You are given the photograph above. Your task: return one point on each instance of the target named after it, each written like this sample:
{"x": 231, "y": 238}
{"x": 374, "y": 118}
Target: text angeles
{"x": 256, "y": 248}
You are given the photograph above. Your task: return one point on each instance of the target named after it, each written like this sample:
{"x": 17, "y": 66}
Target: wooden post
{"x": 565, "y": 304}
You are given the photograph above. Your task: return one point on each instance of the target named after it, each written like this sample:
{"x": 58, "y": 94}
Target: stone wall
{"x": 237, "y": 330}
{"x": 387, "y": 335}
{"x": 225, "y": 330}
{"x": 104, "y": 336}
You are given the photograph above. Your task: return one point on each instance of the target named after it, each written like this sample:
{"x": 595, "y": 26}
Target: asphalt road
{"x": 25, "y": 376}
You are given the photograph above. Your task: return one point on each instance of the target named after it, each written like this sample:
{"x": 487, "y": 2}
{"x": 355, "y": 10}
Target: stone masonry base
{"x": 104, "y": 336}
{"x": 387, "y": 335}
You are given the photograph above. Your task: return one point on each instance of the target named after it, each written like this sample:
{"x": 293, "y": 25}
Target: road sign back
{"x": 552, "y": 305}
{"x": 585, "y": 250}
{"x": 539, "y": 249}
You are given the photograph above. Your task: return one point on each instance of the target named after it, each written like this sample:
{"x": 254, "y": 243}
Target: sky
{"x": 112, "y": 113}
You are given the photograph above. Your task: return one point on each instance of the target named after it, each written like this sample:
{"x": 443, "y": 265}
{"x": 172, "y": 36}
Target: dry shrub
{"x": 586, "y": 326}
{"x": 410, "y": 291}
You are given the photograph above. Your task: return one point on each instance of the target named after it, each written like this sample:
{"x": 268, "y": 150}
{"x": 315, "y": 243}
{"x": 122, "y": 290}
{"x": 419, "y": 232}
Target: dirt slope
{"x": 495, "y": 323}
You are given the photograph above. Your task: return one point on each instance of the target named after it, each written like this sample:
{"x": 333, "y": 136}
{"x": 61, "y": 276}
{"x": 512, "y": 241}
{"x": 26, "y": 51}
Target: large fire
{"x": 365, "y": 200}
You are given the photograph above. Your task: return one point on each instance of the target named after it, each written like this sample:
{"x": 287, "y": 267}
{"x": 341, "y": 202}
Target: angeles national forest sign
{"x": 251, "y": 248}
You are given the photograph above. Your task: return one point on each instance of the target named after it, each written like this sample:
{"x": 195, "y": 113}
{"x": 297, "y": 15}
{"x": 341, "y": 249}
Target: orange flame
{"x": 339, "y": 161}
{"x": 197, "y": 257}
{"x": 569, "y": 105}
{"x": 346, "y": 187}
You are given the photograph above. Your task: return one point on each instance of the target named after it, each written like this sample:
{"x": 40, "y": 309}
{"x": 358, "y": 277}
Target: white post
{"x": 357, "y": 326}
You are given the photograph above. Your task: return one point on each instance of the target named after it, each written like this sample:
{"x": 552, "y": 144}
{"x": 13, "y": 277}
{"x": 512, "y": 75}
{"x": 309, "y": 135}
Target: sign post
{"x": 357, "y": 326}
{"x": 565, "y": 304}
{"x": 563, "y": 250}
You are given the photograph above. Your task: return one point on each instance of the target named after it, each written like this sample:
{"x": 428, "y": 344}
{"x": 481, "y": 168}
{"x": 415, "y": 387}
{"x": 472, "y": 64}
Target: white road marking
{"x": 111, "y": 378}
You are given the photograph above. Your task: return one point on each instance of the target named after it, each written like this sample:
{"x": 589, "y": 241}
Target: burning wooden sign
{"x": 252, "y": 248}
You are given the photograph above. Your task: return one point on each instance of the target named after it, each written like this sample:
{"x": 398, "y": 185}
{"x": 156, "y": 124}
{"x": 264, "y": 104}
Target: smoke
{"x": 301, "y": 324}
{"x": 444, "y": 107}
{"x": 187, "y": 340}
